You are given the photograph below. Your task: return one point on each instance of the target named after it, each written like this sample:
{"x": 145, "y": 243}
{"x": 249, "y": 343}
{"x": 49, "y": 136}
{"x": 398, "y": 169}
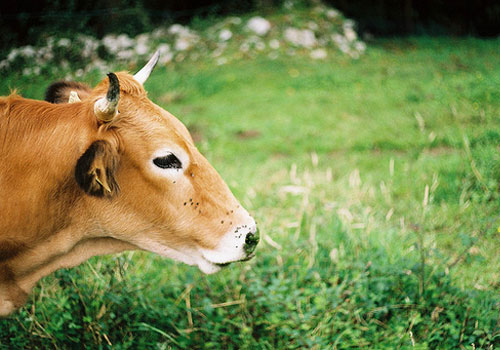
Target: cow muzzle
{"x": 238, "y": 244}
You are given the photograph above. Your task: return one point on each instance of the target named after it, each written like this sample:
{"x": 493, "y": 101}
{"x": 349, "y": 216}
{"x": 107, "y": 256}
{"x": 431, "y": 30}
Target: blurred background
{"x": 363, "y": 136}
{"x": 23, "y": 22}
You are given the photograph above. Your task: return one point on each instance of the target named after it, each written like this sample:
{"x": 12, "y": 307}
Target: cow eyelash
{"x": 168, "y": 162}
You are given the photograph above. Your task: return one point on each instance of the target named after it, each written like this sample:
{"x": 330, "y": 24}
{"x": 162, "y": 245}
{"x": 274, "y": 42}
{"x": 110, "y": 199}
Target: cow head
{"x": 146, "y": 183}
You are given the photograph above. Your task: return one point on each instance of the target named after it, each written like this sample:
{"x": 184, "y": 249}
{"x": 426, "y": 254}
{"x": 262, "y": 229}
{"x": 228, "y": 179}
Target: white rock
{"x": 312, "y": 25}
{"x": 318, "y": 54}
{"x": 304, "y": 38}
{"x": 110, "y": 43}
{"x": 331, "y": 13}
{"x": 348, "y": 23}
{"x": 12, "y": 55}
{"x": 354, "y": 54}
{"x": 219, "y": 50}
{"x": 234, "y": 20}
{"x": 338, "y": 39}
{"x": 27, "y": 51}
{"x": 182, "y": 44}
{"x": 90, "y": 45}
{"x": 360, "y": 46}
{"x": 225, "y": 34}
{"x": 221, "y": 60}
{"x": 125, "y": 54}
{"x": 159, "y": 33}
{"x": 64, "y": 42}
{"x": 259, "y": 25}
{"x": 100, "y": 65}
{"x": 124, "y": 41}
{"x": 166, "y": 57}
{"x": 185, "y": 37}
{"x": 244, "y": 47}
{"x": 344, "y": 47}
{"x": 177, "y": 29}
{"x": 165, "y": 54}
{"x": 288, "y": 5}
{"x": 273, "y": 55}
{"x": 163, "y": 48}
{"x": 274, "y": 44}
{"x": 142, "y": 38}
{"x": 350, "y": 34}
{"x": 141, "y": 48}
{"x": 50, "y": 41}
{"x": 45, "y": 53}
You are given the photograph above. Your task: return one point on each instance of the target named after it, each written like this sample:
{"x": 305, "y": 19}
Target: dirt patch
{"x": 196, "y": 133}
{"x": 247, "y": 134}
{"x": 440, "y": 150}
{"x": 171, "y": 97}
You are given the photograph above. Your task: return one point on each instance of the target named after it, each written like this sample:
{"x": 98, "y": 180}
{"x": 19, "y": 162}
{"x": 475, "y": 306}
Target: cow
{"x": 109, "y": 172}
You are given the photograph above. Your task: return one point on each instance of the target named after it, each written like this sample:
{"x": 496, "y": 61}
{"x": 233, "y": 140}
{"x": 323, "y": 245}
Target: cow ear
{"x": 60, "y": 91}
{"x": 95, "y": 170}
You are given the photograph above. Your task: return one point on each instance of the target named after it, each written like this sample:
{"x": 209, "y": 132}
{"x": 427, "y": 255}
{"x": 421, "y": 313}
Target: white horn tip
{"x": 73, "y": 97}
{"x": 142, "y": 75}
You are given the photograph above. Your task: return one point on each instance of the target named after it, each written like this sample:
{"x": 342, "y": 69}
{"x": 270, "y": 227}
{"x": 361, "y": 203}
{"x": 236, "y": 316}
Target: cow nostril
{"x": 251, "y": 241}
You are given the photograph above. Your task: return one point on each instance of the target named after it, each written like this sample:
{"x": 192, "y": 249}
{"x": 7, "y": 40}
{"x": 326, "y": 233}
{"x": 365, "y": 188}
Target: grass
{"x": 375, "y": 186}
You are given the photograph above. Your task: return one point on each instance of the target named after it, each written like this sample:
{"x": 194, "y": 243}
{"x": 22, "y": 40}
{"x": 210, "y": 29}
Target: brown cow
{"x": 109, "y": 173}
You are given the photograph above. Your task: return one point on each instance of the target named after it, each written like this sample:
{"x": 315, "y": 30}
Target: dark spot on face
{"x": 191, "y": 203}
{"x": 231, "y": 211}
{"x": 222, "y": 221}
{"x": 185, "y": 203}
{"x": 197, "y": 203}
{"x": 173, "y": 182}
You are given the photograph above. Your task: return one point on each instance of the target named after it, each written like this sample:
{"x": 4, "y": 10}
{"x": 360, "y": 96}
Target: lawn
{"x": 375, "y": 185}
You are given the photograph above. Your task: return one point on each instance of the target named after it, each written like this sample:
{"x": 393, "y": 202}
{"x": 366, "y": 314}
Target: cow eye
{"x": 168, "y": 162}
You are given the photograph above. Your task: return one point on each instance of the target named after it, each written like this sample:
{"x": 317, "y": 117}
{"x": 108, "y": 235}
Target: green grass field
{"x": 375, "y": 184}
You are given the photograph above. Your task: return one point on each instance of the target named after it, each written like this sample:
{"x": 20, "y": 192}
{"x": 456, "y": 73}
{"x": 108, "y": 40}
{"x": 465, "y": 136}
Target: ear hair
{"x": 96, "y": 168}
{"x": 59, "y": 92}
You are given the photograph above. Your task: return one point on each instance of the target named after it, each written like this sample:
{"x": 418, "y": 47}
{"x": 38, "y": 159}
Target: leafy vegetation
{"x": 375, "y": 186}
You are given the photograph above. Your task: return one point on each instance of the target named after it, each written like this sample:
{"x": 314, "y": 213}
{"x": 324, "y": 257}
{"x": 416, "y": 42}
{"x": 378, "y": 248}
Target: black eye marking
{"x": 168, "y": 162}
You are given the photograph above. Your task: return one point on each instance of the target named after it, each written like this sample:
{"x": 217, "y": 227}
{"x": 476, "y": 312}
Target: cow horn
{"x": 106, "y": 108}
{"x": 142, "y": 75}
{"x": 73, "y": 97}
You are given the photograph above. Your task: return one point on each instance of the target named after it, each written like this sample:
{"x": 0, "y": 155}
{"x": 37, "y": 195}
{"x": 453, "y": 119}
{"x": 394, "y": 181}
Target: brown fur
{"x": 48, "y": 221}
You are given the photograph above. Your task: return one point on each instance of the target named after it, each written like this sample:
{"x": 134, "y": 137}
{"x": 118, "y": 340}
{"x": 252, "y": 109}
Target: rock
{"x": 225, "y": 34}
{"x": 318, "y": 54}
{"x": 259, "y": 25}
{"x": 303, "y": 38}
